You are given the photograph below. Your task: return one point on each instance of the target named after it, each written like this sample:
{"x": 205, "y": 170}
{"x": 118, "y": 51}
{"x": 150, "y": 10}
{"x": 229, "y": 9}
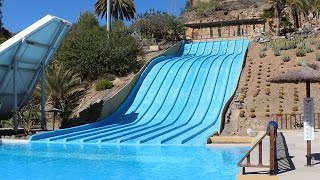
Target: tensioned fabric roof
{"x": 26, "y": 51}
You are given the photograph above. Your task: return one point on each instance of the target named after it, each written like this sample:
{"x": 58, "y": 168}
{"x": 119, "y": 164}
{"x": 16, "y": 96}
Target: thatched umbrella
{"x": 308, "y": 74}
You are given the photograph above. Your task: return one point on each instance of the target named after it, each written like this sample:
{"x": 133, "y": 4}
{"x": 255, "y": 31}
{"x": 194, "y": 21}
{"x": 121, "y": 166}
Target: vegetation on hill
{"x": 201, "y": 7}
{"x": 93, "y": 53}
{"x": 159, "y": 25}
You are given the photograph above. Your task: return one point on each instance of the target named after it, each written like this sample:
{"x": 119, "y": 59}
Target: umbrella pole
{"x": 308, "y": 141}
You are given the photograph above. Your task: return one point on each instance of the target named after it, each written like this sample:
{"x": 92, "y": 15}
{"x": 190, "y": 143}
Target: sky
{"x": 19, "y": 14}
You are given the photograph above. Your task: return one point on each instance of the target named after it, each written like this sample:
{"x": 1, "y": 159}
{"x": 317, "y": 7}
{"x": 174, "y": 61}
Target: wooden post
{"x": 318, "y": 121}
{"x": 308, "y": 153}
{"x": 272, "y": 172}
{"x": 308, "y": 141}
{"x": 260, "y": 153}
{"x": 286, "y": 119}
{"x": 300, "y": 126}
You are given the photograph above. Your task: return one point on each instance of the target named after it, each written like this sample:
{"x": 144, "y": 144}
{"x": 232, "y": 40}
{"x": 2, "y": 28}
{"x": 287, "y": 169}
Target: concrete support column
{"x": 15, "y": 97}
{"x": 43, "y": 97}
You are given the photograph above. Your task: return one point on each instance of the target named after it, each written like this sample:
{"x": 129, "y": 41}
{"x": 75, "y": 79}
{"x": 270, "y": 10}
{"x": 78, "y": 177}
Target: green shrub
{"x": 312, "y": 42}
{"x": 262, "y": 54}
{"x": 103, "y": 84}
{"x": 300, "y": 53}
{"x": 264, "y": 48}
{"x": 317, "y": 56}
{"x": 309, "y": 50}
{"x": 300, "y": 62}
{"x": 318, "y": 45}
{"x": 285, "y": 58}
{"x": 276, "y": 53}
{"x": 301, "y": 45}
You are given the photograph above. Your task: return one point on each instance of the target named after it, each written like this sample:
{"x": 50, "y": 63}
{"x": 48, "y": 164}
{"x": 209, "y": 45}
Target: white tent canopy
{"x": 23, "y": 59}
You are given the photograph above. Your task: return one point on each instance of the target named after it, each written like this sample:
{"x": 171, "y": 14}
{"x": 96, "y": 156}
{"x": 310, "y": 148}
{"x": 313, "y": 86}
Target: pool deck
{"x": 290, "y": 152}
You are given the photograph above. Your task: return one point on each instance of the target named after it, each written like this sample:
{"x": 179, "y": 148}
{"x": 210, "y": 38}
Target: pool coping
{"x": 14, "y": 141}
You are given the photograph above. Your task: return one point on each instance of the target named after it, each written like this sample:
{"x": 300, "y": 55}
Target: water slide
{"x": 177, "y": 100}
{"x": 22, "y": 58}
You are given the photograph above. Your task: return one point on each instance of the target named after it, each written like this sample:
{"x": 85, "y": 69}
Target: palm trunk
{"x": 278, "y": 17}
{"x": 295, "y": 16}
{"x": 108, "y": 16}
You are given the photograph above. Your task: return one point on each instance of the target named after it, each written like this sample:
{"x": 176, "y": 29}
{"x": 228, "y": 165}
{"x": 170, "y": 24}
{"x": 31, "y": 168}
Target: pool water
{"x": 42, "y": 161}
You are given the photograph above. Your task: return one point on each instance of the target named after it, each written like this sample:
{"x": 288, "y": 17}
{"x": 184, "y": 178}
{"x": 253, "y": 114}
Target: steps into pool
{"x": 176, "y": 101}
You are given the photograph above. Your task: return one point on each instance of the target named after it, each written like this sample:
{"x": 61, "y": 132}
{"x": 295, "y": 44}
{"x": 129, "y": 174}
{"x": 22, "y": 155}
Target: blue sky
{"x": 19, "y": 14}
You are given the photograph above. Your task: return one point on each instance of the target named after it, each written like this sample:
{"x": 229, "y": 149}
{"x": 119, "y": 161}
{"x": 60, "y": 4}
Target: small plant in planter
{"x": 252, "y": 115}
{"x": 242, "y": 113}
{"x": 296, "y": 98}
{"x": 268, "y": 91}
{"x": 267, "y": 115}
{"x": 295, "y": 108}
{"x": 252, "y": 110}
{"x": 281, "y": 96}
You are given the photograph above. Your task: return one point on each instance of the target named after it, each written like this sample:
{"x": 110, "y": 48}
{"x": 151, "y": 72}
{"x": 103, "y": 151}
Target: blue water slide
{"x": 177, "y": 99}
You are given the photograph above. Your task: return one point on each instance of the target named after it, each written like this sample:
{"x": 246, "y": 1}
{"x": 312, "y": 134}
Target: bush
{"x": 264, "y": 48}
{"x": 295, "y": 108}
{"x": 285, "y": 58}
{"x": 262, "y": 54}
{"x": 242, "y": 113}
{"x": 276, "y": 53}
{"x": 300, "y": 53}
{"x": 309, "y": 50}
{"x": 300, "y": 62}
{"x": 318, "y": 45}
{"x": 103, "y": 84}
{"x": 301, "y": 45}
{"x": 317, "y": 56}
{"x": 252, "y": 110}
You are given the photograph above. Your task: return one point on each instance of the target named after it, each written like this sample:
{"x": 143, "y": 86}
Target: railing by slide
{"x": 294, "y": 121}
{"x": 247, "y": 156}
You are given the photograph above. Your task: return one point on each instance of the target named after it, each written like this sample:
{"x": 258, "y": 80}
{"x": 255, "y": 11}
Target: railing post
{"x": 272, "y": 172}
{"x": 260, "y": 153}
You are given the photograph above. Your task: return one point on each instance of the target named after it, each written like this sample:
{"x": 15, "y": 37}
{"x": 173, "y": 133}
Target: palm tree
{"x": 278, "y": 8}
{"x": 120, "y": 10}
{"x": 61, "y": 84}
{"x": 294, "y": 12}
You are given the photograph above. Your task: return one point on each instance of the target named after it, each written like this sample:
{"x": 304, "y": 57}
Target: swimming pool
{"x": 51, "y": 161}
